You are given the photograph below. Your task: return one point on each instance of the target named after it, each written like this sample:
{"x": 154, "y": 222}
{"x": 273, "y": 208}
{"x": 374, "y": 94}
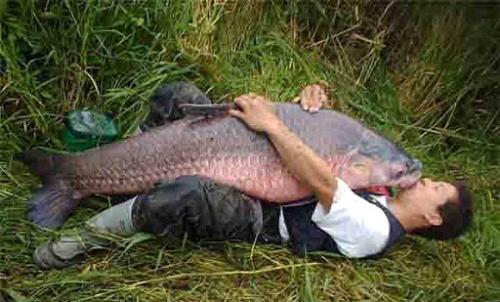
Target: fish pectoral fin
{"x": 206, "y": 109}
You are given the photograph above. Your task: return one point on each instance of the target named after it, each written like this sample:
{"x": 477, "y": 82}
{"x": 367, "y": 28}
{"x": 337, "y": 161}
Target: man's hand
{"x": 256, "y": 111}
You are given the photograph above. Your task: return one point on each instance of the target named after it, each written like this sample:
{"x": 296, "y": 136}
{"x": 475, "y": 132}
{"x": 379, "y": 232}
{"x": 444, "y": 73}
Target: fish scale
{"x": 190, "y": 148}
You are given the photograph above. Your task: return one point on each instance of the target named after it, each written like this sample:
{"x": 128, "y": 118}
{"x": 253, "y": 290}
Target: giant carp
{"x": 221, "y": 148}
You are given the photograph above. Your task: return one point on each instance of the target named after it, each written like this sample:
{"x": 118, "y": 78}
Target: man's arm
{"x": 310, "y": 169}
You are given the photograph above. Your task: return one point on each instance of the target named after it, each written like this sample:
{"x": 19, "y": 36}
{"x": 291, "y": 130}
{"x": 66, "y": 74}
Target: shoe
{"x": 45, "y": 258}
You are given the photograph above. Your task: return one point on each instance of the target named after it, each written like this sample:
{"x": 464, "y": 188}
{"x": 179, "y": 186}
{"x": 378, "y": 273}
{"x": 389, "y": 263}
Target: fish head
{"x": 403, "y": 173}
{"x": 378, "y": 161}
{"x": 366, "y": 171}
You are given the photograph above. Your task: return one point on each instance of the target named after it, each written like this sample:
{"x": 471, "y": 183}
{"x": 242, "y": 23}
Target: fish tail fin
{"x": 52, "y": 204}
{"x": 42, "y": 163}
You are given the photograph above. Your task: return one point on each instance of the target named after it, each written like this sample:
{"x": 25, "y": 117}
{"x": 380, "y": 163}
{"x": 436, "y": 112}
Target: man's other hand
{"x": 312, "y": 98}
{"x": 256, "y": 111}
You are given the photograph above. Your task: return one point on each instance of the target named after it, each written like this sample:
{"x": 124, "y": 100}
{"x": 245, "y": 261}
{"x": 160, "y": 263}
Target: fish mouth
{"x": 413, "y": 175}
{"x": 407, "y": 185}
{"x": 410, "y": 180}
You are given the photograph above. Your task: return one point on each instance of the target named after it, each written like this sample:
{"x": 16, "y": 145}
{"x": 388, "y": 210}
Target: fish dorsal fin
{"x": 206, "y": 109}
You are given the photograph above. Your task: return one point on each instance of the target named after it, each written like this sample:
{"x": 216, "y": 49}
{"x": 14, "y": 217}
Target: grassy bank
{"x": 426, "y": 76}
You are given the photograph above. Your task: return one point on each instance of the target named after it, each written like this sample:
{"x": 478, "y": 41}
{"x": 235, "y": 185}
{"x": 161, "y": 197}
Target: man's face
{"x": 426, "y": 196}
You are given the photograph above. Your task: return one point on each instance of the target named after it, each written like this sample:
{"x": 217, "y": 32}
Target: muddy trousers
{"x": 190, "y": 207}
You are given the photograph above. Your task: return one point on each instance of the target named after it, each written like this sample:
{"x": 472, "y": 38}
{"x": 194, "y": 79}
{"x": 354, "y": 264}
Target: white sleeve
{"x": 359, "y": 228}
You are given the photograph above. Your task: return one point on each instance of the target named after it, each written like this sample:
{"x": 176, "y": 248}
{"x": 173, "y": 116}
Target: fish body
{"x": 224, "y": 149}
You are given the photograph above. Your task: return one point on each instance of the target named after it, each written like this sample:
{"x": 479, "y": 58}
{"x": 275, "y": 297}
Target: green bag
{"x": 87, "y": 129}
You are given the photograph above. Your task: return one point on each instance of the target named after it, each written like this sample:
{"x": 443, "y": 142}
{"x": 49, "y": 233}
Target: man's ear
{"x": 434, "y": 219}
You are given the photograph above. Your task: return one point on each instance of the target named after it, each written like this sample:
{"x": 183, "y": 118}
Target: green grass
{"x": 426, "y": 76}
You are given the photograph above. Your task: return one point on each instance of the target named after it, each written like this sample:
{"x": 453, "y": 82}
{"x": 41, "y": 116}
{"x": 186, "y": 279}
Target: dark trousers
{"x": 199, "y": 209}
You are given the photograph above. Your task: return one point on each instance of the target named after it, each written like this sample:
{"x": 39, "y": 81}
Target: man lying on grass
{"x": 337, "y": 220}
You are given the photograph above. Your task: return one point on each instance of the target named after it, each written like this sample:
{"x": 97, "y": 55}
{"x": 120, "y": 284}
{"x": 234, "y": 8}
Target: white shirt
{"x": 358, "y": 227}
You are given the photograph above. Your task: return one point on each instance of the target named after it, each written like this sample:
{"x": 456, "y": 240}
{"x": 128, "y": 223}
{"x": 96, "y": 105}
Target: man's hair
{"x": 456, "y": 216}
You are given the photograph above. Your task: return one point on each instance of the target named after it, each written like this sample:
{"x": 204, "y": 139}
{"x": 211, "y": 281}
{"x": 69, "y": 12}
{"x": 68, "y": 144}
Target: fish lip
{"x": 408, "y": 185}
{"x": 410, "y": 180}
